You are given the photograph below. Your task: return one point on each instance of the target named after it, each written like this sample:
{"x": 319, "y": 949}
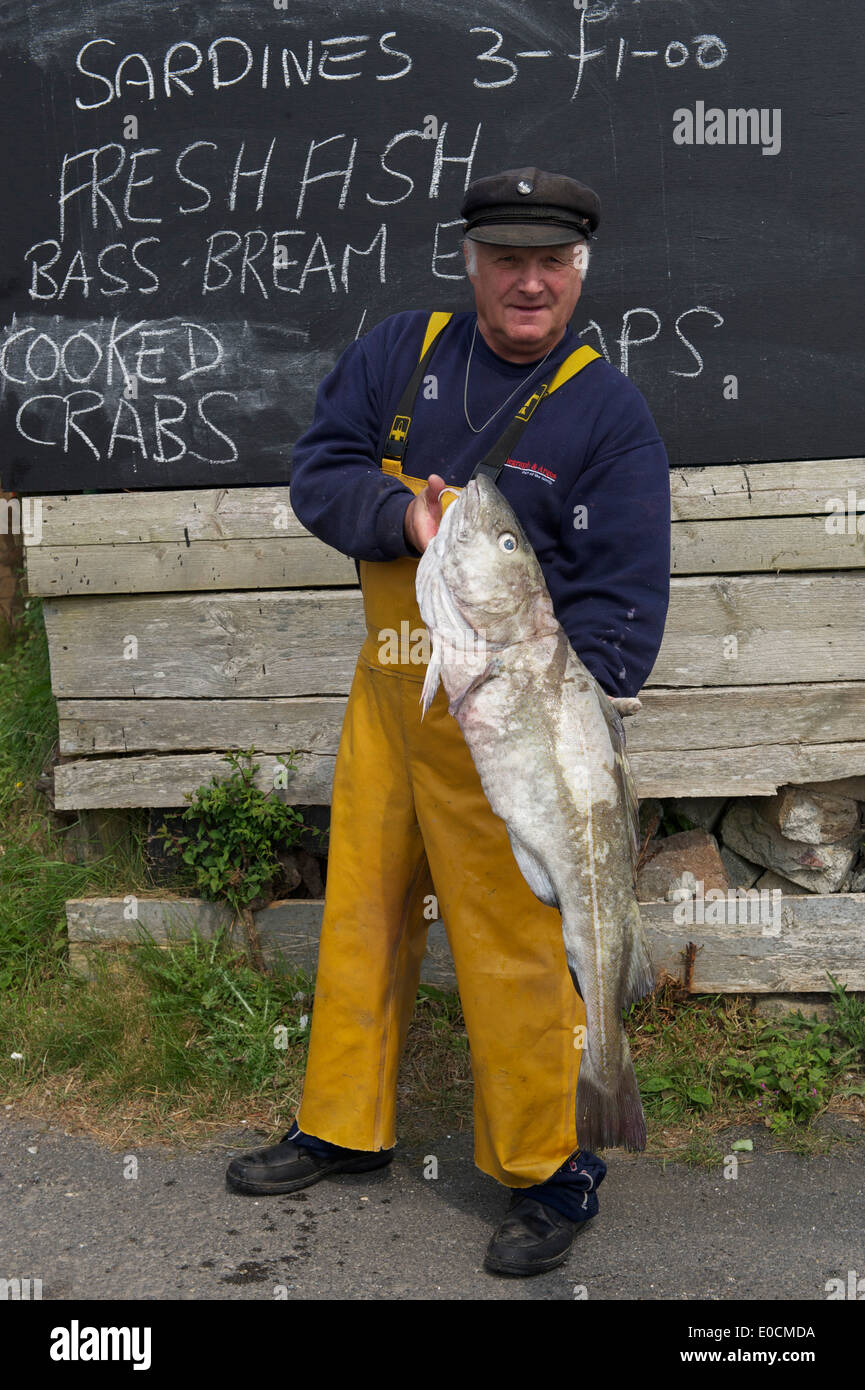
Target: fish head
{"x": 484, "y": 560}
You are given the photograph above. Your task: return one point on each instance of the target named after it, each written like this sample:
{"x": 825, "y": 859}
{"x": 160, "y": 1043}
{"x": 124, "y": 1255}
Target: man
{"x": 412, "y": 407}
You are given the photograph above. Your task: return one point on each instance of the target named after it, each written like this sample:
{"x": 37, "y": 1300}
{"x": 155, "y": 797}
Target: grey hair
{"x": 581, "y": 256}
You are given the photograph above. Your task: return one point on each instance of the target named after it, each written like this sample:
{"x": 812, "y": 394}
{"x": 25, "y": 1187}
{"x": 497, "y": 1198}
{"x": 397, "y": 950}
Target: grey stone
{"x": 809, "y": 1005}
{"x": 822, "y": 868}
{"x": 809, "y": 816}
{"x": 770, "y": 880}
{"x": 741, "y": 872}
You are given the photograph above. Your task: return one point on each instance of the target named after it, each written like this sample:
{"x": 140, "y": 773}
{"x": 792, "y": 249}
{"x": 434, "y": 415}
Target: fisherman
{"x": 418, "y": 405}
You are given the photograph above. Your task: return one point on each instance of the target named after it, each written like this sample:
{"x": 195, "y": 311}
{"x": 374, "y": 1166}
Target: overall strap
{"x": 498, "y": 456}
{"x": 395, "y": 445}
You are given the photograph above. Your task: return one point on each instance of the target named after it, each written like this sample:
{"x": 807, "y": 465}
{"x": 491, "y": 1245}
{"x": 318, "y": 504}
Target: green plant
{"x": 848, "y": 1016}
{"x": 683, "y": 1092}
{"x": 235, "y": 831}
{"x": 224, "y": 1019}
{"x": 790, "y": 1077}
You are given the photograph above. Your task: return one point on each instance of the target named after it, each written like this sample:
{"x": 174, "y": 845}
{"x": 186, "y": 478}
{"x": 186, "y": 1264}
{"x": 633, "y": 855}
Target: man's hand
{"x": 424, "y": 513}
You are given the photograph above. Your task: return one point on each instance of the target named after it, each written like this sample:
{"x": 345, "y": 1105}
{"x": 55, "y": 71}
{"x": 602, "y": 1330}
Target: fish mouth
{"x": 469, "y": 510}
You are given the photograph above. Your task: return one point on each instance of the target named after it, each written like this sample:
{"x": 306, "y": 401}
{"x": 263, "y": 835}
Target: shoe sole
{"x": 249, "y": 1188}
{"x": 538, "y": 1267}
{"x": 494, "y": 1266}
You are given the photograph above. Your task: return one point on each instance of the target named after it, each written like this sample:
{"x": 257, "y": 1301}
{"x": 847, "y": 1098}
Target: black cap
{"x": 529, "y": 207}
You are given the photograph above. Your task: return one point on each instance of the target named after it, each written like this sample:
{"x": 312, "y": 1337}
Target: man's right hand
{"x": 424, "y": 513}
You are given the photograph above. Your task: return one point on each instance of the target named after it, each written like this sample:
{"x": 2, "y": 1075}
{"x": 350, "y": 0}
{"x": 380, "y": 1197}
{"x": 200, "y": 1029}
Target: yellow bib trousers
{"x": 409, "y": 818}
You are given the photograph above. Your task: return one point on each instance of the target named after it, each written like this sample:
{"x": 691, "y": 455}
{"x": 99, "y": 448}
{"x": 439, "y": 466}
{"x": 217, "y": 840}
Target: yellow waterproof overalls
{"x": 409, "y": 818}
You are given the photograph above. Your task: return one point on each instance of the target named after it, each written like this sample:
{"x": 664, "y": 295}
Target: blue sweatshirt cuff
{"x": 389, "y": 533}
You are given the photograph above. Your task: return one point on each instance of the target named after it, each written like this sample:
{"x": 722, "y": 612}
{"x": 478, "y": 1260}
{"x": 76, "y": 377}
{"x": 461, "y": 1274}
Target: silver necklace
{"x": 517, "y": 388}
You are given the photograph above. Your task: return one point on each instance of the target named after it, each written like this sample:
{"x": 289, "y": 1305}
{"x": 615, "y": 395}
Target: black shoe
{"x": 532, "y": 1238}
{"x": 288, "y": 1166}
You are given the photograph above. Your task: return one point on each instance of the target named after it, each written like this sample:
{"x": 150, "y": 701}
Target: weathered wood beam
{"x": 672, "y": 720}
{"x": 166, "y": 779}
{"x": 812, "y": 935}
{"x": 730, "y": 630}
{"x": 794, "y": 488}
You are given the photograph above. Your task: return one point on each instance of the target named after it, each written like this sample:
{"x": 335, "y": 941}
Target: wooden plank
{"x": 289, "y": 931}
{"x": 185, "y": 515}
{"x": 272, "y": 643}
{"x": 810, "y": 936}
{"x": 750, "y": 545}
{"x": 759, "y": 770}
{"x": 205, "y": 645}
{"x": 741, "y": 716}
{"x": 133, "y": 726}
{"x": 298, "y": 562}
{"x": 795, "y": 488}
{"x": 817, "y": 933}
{"x": 755, "y": 544}
{"x": 786, "y": 628}
{"x": 96, "y": 920}
{"x": 670, "y": 720}
{"x": 164, "y": 781}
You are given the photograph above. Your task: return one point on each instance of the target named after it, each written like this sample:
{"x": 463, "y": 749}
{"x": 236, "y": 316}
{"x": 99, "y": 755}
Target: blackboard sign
{"x": 204, "y": 203}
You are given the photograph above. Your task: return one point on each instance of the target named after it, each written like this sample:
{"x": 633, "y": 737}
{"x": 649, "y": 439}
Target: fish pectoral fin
{"x": 625, "y": 705}
{"x": 624, "y": 778}
{"x": 533, "y": 871}
{"x": 491, "y": 669}
{"x": 433, "y": 675}
{"x": 640, "y": 977}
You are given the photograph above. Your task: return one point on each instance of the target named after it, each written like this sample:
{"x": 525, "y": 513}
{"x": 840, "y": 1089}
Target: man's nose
{"x": 531, "y": 280}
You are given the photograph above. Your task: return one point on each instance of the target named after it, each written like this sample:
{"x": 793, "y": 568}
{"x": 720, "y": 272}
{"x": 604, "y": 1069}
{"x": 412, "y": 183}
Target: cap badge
{"x": 524, "y": 186}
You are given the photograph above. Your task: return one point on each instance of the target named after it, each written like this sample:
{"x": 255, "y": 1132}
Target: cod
{"x": 549, "y": 748}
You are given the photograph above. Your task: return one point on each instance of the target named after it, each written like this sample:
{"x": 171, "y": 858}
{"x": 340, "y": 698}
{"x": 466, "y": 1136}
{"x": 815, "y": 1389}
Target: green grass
{"x": 178, "y": 1042}
{"x": 35, "y": 878}
{"x": 709, "y": 1062}
{"x": 168, "y": 1041}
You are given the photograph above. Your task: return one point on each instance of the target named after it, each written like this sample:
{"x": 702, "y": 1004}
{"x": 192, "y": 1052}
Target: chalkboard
{"x": 204, "y": 203}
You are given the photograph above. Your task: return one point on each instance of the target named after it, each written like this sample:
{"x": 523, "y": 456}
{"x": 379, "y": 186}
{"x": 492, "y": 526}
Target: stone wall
{"x": 805, "y": 839}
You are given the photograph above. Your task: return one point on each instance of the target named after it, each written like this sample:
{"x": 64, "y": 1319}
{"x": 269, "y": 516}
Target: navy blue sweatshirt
{"x": 591, "y": 445}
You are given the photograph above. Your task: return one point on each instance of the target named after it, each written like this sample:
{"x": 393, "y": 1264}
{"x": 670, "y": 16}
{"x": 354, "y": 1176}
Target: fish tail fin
{"x": 606, "y": 1118}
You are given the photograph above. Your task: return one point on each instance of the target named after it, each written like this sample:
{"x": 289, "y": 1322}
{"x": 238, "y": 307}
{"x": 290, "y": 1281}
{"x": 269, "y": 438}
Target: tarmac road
{"x": 780, "y": 1230}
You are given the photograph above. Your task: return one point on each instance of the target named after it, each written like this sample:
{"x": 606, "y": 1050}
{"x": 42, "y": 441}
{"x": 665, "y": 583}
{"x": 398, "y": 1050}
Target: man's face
{"x": 525, "y": 296}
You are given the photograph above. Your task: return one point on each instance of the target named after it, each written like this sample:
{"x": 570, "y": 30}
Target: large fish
{"x": 549, "y": 748}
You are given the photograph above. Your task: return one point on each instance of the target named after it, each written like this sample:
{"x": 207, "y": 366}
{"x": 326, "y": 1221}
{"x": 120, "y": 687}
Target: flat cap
{"x": 529, "y": 207}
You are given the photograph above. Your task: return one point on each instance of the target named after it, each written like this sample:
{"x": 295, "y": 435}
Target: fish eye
{"x": 507, "y": 541}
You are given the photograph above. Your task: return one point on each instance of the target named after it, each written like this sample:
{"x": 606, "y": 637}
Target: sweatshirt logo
{"x": 536, "y": 469}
